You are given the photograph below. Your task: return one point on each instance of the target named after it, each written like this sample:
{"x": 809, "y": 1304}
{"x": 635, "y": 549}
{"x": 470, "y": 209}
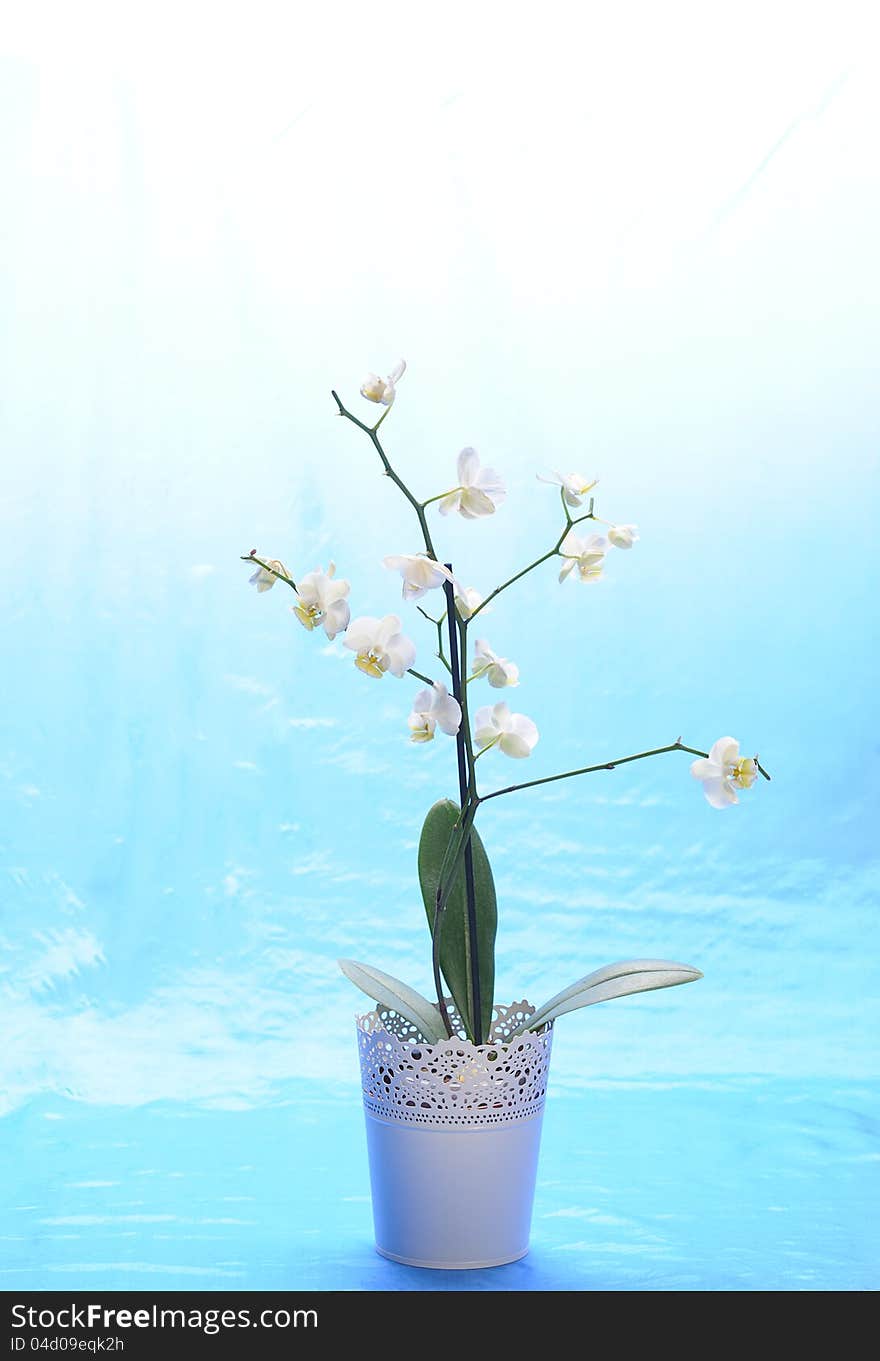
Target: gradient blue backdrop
{"x": 641, "y": 247}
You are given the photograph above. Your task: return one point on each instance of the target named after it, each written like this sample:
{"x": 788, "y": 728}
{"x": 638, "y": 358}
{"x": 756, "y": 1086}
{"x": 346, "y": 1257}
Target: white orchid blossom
{"x": 263, "y": 580}
{"x": 499, "y": 672}
{"x": 420, "y": 574}
{"x": 322, "y": 602}
{"x": 478, "y": 492}
{"x": 574, "y": 486}
{"x": 724, "y": 771}
{"x": 380, "y": 646}
{"x": 383, "y": 390}
{"x": 623, "y": 536}
{"x": 434, "y": 708}
{"x": 587, "y": 555}
{"x": 468, "y": 601}
{"x": 495, "y": 725}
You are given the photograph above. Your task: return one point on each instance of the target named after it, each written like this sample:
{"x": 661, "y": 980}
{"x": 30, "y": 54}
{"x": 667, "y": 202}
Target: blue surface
{"x": 745, "y": 1185}
{"x": 202, "y": 806}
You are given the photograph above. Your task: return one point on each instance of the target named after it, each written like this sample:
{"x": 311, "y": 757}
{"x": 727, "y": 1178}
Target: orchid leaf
{"x": 441, "y": 825}
{"x": 390, "y": 992}
{"x": 615, "y": 980}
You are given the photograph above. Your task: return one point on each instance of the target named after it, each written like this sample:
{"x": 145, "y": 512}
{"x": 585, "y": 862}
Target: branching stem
{"x": 279, "y": 576}
{"x": 603, "y": 765}
{"x": 553, "y": 552}
{"x": 398, "y": 482}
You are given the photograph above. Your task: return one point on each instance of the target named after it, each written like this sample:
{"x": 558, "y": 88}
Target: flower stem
{"x": 469, "y": 800}
{"x": 398, "y": 482}
{"x": 445, "y": 884}
{"x": 604, "y": 765}
{"x": 252, "y": 557}
{"x": 440, "y": 496}
{"x": 525, "y": 571}
{"x": 438, "y": 980}
{"x": 418, "y": 675}
{"x": 457, "y": 664}
{"x": 438, "y": 624}
{"x": 554, "y": 552}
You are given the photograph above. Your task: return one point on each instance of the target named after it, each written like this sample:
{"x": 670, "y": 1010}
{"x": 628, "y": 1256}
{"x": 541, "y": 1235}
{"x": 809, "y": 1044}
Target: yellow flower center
{"x": 745, "y": 773}
{"x": 309, "y": 615}
{"x": 372, "y": 663}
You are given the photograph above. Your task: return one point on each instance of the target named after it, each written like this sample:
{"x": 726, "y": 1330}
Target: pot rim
{"x": 402, "y": 1031}
{"x": 453, "y": 1083}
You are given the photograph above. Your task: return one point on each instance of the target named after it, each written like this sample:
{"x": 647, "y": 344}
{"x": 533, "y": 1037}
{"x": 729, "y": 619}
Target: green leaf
{"x": 615, "y": 980}
{"x": 439, "y": 829}
{"x": 390, "y": 992}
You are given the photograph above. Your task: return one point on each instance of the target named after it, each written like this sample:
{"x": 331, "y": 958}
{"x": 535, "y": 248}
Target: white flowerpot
{"x": 453, "y": 1132}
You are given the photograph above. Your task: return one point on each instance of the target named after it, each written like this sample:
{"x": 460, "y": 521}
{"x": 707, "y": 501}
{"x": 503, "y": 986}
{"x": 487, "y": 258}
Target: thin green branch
{"x": 579, "y": 519}
{"x": 457, "y": 629}
{"x": 554, "y": 552}
{"x": 398, "y": 482}
{"x": 435, "y": 968}
{"x": 568, "y": 516}
{"x": 440, "y": 496}
{"x": 418, "y": 675}
{"x": 463, "y": 700}
{"x": 525, "y": 571}
{"x": 438, "y": 624}
{"x": 280, "y": 576}
{"x": 605, "y": 765}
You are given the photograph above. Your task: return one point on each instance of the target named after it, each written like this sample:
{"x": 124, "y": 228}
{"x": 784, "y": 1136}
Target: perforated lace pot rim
{"x": 453, "y": 1133}
{"x": 453, "y": 1082}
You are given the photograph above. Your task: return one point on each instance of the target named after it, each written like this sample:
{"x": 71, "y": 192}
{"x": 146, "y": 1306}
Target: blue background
{"x": 642, "y": 249}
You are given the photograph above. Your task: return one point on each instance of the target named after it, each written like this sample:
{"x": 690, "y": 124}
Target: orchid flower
{"x": 263, "y": 580}
{"x": 322, "y": 601}
{"x": 495, "y": 725}
{"x": 478, "y": 492}
{"x": 420, "y": 574}
{"x": 383, "y": 390}
{"x": 587, "y": 555}
{"x": 724, "y": 771}
{"x": 467, "y": 600}
{"x": 623, "y": 536}
{"x": 574, "y": 486}
{"x": 434, "y": 708}
{"x": 380, "y": 646}
{"x": 499, "y": 672}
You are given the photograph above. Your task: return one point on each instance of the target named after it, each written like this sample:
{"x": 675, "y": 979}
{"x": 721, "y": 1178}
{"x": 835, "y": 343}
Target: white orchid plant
{"x": 454, "y": 871}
